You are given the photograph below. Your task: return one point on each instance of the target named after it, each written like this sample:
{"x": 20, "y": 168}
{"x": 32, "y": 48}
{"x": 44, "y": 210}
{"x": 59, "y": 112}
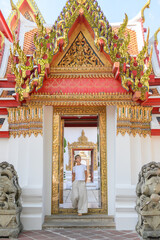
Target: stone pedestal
{"x": 149, "y": 225}
{"x": 10, "y": 225}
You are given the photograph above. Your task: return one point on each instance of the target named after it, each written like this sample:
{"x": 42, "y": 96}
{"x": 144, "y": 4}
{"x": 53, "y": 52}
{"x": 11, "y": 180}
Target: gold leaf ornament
{"x": 81, "y": 1}
{"x": 147, "y": 5}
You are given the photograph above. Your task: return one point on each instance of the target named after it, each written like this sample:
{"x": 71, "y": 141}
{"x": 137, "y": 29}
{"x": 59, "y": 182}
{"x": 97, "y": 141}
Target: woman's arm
{"x": 86, "y": 175}
{"x": 73, "y": 176}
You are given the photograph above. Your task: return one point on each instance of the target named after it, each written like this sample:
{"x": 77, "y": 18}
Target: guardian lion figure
{"x": 10, "y": 206}
{"x": 148, "y": 201}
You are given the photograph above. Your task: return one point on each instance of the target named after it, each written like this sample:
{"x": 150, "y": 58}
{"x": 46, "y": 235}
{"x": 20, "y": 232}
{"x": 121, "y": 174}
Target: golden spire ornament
{"x": 155, "y": 35}
{"x": 81, "y": 1}
{"x": 147, "y": 5}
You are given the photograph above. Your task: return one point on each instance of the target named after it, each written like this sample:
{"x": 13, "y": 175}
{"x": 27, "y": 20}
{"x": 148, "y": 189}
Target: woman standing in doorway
{"x": 79, "y": 191}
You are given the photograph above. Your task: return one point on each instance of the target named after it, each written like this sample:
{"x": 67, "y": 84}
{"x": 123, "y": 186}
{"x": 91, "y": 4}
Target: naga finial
{"x": 147, "y": 5}
{"x": 151, "y": 52}
{"x": 148, "y": 36}
{"x": 14, "y": 8}
{"x": 155, "y": 35}
{"x": 123, "y": 27}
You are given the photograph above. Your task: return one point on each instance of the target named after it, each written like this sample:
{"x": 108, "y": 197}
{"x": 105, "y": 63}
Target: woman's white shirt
{"x": 79, "y": 171}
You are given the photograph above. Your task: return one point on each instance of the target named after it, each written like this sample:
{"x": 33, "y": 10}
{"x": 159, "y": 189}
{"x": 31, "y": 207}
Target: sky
{"x": 114, "y": 11}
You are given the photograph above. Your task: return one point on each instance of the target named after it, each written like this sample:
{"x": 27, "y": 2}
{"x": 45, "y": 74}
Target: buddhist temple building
{"x": 82, "y": 86}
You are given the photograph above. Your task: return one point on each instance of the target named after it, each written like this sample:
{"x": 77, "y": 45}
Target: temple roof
{"x": 118, "y": 44}
{"x": 29, "y": 48}
{"x": 111, "y": 59}
{"x": 28, "y": 8}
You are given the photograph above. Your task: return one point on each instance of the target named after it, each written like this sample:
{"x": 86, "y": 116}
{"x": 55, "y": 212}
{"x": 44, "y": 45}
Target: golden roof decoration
{"x": 81, "y": 1}
{"x": 147, "y": 5}
{"x": 2, "y": 40}
{"x": 32, "y": 72}
{"x": 15, "y": 9}
{"x": 155, "y": 35}
{"x": 33, "y": 6}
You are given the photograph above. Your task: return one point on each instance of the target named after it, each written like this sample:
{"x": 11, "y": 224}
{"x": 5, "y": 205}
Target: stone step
{"x": 84, "y": 221}
{"x": 85, "y": 216}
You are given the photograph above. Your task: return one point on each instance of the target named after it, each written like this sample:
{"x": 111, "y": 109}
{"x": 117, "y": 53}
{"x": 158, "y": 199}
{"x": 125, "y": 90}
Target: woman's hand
{"x": 86, "y": 175}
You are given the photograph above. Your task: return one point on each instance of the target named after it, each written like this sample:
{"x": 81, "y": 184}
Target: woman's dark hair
{"x": 77, "y": 156}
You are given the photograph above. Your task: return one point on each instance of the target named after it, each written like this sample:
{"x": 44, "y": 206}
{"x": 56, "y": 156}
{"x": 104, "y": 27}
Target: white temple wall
{"x": 32, "y": 159}
{"x": 141, "y": 153}
{"x": 121, "y": 191}
{"x": 32, "y": 192}
{"x": 136, "y": 158}
{"x": 13, "y": 147}
{"x": 123, "y": 162}
{"x": 131, "y": 154}
{"x": 26, "y": 154}
{"x": 22, "y": 159}
{"x": 155, "y": 145}
{"x": 125, "y": 216}
{"x": 4, "y": 143}
{"x": 146, "y": 150}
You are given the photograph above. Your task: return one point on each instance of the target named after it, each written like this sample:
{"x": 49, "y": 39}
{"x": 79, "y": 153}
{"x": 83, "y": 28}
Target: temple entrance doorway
{"x": 80, "y": 136}
{"x": 79, "y": 132}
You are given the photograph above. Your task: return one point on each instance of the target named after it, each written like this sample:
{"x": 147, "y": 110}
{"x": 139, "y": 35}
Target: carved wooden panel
{"x": 81, "y": 54}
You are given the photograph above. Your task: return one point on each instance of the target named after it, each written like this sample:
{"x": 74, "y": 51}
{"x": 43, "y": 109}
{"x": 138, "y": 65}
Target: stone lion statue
{"x": 10, "y": 205}
{"x": 10, "y": 190}
{"x": 148, "y": 201}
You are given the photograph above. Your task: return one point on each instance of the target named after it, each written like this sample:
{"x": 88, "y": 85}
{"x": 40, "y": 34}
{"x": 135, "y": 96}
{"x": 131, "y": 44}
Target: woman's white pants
{"x": 79, "y": 196}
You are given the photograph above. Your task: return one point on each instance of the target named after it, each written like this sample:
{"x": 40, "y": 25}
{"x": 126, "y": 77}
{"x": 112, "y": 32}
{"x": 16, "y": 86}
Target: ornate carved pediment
{"x": 80, "y": 54}
{"x": 81, "y": 59}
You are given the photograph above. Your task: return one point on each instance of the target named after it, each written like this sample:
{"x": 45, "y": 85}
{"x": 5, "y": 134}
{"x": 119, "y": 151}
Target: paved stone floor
{"x": 78, "y": 234}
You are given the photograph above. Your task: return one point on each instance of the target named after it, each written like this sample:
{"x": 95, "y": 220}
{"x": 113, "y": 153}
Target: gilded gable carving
{"x": 80, "y": 54}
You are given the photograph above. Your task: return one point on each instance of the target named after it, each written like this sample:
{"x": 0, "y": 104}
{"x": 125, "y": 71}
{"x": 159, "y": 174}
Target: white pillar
{"x": 155, "y": 143}
{"x": 35, "y": 175}
{"x": 146, "y": 150}
{"x": 18, "y": 157}
{"x": 23, "y": 160}
{"x": 123, "y": 160}
{"x": 47, "y": 158}
{"x": 111, "y": 156}
{"x": 126, "y": 217}
{"x": 136, "y": 158}
{"x": 26, "y": 155}
{"x": 13, "y": 151}
{"x": 32, "y": 217}
{"x": 4, "y": 144}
